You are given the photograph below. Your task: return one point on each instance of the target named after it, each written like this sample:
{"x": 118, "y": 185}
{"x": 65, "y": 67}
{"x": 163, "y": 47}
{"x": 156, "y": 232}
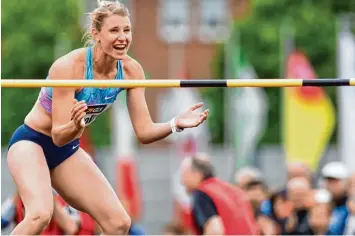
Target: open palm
{"x": 191, "y": 118}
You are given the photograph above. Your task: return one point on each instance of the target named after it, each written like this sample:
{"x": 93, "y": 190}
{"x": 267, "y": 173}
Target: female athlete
{"x": 45, "y": 152}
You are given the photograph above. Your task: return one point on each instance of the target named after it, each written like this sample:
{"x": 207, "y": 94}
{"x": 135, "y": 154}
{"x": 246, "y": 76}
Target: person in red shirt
{"x": 65, "y": 221}
{"x": 218, "y": 207}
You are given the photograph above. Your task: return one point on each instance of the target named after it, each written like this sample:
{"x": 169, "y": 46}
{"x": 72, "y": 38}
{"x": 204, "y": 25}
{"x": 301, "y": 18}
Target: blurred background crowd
{"x": 291, "y": 150}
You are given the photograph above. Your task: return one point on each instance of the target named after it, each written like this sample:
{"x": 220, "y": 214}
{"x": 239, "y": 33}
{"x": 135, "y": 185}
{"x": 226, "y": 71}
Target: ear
{"x": 95, "y": 34}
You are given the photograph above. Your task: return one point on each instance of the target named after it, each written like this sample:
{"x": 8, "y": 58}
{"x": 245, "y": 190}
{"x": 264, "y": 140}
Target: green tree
{"x": 314, "y": 30}
{"x": 30, "y": 30}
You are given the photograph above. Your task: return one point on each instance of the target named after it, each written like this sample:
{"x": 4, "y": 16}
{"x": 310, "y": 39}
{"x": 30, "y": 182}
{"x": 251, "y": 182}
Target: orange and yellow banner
{"x": 308, "y": 115}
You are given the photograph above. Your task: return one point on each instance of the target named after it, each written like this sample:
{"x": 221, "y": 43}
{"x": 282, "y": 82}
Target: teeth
{"x": 120, "y": 47}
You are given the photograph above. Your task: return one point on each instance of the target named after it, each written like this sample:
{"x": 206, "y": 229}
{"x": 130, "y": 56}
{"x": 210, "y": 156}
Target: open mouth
{"x": 119, "y": 47}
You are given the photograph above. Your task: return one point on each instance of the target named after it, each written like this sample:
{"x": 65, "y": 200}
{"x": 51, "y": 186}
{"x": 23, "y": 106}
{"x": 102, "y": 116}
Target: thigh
{"x": 81, "y": 183}
{"x": 30, "y": 172}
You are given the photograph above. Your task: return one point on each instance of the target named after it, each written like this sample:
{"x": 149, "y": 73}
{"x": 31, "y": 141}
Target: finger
{"x": 78, "y": 108}
{"x": 76, "y": 104}
{"x": 78, "y": 118}
{"x": 79, "y": 113}
{"x": 198, "y": 122}
{"x": 196, "y": 106}
{"x": 205, "y": 113}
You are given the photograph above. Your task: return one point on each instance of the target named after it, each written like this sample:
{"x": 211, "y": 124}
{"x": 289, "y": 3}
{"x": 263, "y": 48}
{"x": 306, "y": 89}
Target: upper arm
{"x": 203, "y": 209}
{"x": 136, "y": 103}
{"x": 214, "y": 226}
{"x": 62, "y": 98}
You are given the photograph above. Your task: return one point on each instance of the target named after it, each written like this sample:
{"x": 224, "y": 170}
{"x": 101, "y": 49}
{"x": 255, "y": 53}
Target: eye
{"x": 114, "y": 30}
{"x": 127, "y": 30}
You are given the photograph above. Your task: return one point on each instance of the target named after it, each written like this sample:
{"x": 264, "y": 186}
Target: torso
{"x": 98, "y": 100}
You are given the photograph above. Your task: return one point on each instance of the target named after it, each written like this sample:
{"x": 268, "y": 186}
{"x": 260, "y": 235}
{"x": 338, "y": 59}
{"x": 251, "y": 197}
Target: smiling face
{"x": 115, "y": 36}
{"x": 111, "y": 29}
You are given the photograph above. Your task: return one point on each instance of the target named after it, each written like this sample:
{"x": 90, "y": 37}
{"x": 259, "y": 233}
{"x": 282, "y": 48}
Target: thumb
{"x": 196, "y": 106}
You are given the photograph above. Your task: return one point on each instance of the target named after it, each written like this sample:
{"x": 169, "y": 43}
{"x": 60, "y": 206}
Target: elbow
{"x": 214, "y": 226}
{"x": 57, "y": 140}
{"x": 143, "y": 139}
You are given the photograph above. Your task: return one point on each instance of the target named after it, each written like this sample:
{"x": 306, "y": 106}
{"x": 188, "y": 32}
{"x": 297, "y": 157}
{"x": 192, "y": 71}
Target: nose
{"x": 121, "y": 37}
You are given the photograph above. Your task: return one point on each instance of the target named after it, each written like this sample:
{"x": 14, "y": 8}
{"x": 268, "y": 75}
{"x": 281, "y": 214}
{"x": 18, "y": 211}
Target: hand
{"x": 78, "y": 113}
{"x": 191, "y": 118}
{"x": 291, "y": 223}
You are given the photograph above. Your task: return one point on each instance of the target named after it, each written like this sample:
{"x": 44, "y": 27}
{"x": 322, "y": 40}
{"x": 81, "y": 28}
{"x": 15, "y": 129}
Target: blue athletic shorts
{"x": 54, "y": 155}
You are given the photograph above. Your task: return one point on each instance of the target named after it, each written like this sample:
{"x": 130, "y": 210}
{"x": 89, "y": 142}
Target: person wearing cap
{"x": 335, "y": 175}
{"x": 218, "y": 207}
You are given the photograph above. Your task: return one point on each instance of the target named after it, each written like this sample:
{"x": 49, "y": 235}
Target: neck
{"x": 103, "y": 63}
{"x": 320, "y": 231}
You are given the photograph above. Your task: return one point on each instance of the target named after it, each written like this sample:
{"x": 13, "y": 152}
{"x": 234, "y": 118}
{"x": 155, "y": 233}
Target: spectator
{"x": 280, "y": 209}
{"x": 335, "y": 176}
{"x": 294, "y": 169}
{"x": 320, "y": 213}
{"x": 174, "y": 229}
{"x": 298, "y": 192}
{"x": 299, "y": 169}
{"x": 350, "y": 225}
{"x": 217, "y": 207}
{"x": 247, "y": 174}
{"x": 251, "y": 181}
{"x": 65, "y": 221}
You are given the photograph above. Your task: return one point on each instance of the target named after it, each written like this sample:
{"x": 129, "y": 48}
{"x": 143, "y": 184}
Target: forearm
{"x": 154, "y": 132}
{"x": 65, "y": 134}
{"x": 64, "y": 220}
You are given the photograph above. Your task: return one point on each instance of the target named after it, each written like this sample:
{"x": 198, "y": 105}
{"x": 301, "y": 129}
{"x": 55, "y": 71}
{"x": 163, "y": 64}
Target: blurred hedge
{"x": 314, "y": 32}
{"x": 30, "y": 30}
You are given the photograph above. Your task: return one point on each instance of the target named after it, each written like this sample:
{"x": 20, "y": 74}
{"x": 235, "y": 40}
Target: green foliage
{"x": 29, "y": 33}
{"x": 313, "y": 25}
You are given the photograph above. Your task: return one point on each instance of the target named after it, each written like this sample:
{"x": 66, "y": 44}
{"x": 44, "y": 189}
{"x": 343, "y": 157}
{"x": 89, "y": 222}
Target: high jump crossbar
{"x": 232, "y": 83}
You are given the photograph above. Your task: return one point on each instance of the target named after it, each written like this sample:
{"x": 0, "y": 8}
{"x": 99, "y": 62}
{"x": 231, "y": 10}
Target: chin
{"x": 116, "y": 55}
{"x": 119, "y": 56}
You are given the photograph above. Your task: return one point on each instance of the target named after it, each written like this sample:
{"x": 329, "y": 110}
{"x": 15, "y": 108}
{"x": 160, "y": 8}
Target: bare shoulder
{"x": 132, "y": 69}
{"x": 69, "y": 66}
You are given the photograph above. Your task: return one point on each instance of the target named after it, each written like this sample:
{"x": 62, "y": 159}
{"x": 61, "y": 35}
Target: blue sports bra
{"x": 98, "y": 100}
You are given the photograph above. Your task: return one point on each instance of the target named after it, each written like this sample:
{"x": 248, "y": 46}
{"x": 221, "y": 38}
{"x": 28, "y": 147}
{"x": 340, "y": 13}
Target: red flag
{"x": 128, "y": 187}
{"x": 308, "y": 115}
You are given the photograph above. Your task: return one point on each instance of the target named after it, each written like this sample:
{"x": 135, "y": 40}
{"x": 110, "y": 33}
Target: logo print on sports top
{"x": 107, "y": 98}
{"x": 93, "y": 111}
{"x": 76, "y": 146}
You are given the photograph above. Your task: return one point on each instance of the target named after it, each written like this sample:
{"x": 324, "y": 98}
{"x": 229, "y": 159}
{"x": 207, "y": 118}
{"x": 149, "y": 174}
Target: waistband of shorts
{"x": 35, "y": 131}
{"x": 44, "y": 135}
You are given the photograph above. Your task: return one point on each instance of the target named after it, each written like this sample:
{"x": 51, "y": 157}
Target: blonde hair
{"x": 97, "y": 16}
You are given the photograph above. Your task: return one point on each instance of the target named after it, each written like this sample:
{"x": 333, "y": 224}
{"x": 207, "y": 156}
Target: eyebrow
{"x": 126, "y": 26}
